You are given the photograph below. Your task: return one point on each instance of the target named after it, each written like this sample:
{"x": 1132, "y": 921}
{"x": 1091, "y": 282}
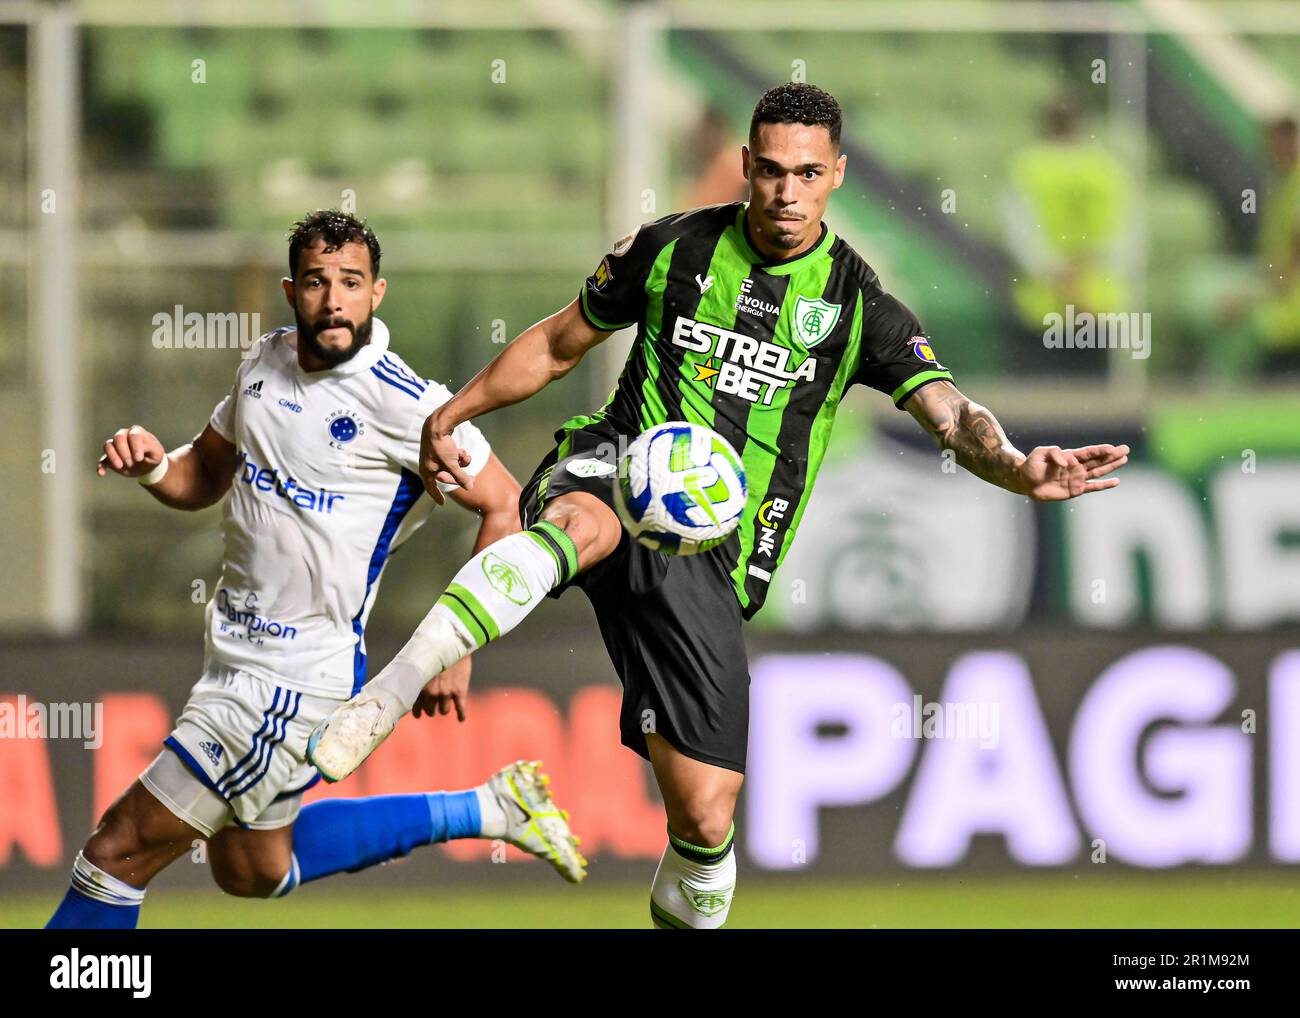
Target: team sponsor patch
{"x": 589, "y": 468}
{"x": 753, "y": 369}
{"x": 921, "y": 347}
{"x": 625, "y": 245}
{"x": 771, "y": 515}
{"x": 599, "y": 279}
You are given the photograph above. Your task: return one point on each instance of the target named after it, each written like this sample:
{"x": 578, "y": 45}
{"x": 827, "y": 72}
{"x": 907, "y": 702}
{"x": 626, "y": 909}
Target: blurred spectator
{"x": 1065, "y": 224}
{"x": 1276, "y": 320}
{"x": 1246, "y": 313}
{"x": 713, "y": 174}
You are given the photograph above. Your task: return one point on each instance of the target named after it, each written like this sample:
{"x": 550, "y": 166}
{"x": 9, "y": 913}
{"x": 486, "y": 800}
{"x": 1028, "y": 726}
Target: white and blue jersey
{"x": 326, "y": 487}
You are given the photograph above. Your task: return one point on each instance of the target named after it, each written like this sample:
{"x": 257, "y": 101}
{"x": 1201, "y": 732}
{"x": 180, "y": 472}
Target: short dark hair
{"x": 798, "y": 103}
{"x": 336, "y": 228}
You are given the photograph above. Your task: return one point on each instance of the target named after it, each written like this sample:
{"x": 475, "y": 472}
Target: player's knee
{"x": 703, "y": 819}
{"x": 240, "y": 878}
{"x": 590, "y": 524}
{"x": 116, "y": 839}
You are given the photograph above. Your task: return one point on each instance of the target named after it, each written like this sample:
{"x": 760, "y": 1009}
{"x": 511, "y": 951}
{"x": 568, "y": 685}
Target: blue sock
{"x": 96, "y": 901}
{"x": 78, "y": 912}
{"x": 346, "y": 835}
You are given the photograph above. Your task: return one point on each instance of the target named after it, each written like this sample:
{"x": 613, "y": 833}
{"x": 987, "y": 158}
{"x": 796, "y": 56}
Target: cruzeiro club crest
{"x": 505, "y": 578}
{"x": 814, "y": 318}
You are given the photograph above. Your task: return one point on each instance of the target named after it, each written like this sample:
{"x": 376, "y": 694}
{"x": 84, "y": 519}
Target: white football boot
{"x": 534, "y": 822}
{"x": 354, "y": 730}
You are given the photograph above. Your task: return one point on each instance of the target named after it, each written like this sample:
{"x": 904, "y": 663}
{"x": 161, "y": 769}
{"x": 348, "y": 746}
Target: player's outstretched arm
{"x": 495, "y": 498}
{"x": 537, "y": 356}
{"x": 1048, "y": 474}
{"x": 197, "y": 476}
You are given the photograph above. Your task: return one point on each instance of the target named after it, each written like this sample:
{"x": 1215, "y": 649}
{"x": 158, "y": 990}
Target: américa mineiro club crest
{"x": 814, "y": 319}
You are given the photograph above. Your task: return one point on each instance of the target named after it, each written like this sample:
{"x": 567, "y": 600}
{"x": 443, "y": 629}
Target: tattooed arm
{"x": 1048, "y": 473}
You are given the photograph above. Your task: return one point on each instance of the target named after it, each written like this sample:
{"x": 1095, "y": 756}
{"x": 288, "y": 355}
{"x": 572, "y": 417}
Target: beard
{"x": 786, "y": 241}
{"x": 332, "y": 357}
{"x": 786, "y": 235}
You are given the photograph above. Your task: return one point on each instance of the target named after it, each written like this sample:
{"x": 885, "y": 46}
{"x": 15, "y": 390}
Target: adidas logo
{"x": 213, "y": 750}
{"x": 254, "y": 390}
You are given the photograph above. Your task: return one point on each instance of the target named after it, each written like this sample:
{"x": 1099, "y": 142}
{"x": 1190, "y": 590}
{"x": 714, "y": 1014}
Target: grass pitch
{"x": 1205, "y": 899}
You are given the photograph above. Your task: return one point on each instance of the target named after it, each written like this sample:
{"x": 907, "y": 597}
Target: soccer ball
{"x": 680, "y": 489}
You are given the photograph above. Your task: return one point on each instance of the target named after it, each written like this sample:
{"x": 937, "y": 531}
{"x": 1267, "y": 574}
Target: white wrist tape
{"x": 156, "y": 474}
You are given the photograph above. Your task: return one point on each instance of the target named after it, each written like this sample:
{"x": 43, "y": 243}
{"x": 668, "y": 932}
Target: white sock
{"x": 290, "y": 880}
{"x": 493, "y": 592}
{"x": 492, "y": 818}
{"x": 693, "y": 893}
{"x": 93, "y": 882}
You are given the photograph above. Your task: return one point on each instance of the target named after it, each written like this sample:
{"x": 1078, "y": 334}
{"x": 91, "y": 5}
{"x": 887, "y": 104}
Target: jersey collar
{"x": 363, "y": 361}
{"x": 782, "y": 267}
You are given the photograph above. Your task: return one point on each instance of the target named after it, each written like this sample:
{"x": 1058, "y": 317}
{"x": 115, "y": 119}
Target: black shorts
{"x": 671, "y": 623}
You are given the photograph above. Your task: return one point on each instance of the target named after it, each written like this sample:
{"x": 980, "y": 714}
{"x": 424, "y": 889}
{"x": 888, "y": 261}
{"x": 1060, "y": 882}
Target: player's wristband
{"x": 156, "y": 474}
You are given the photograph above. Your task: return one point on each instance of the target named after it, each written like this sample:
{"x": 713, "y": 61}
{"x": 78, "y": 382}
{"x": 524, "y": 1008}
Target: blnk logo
{"x": 264, "y": 479}
{"x": 75, "y": 971}
{"x": 770, "y": 515}
{"x": 254, "y": 623}
{"x": 753, "y": 369}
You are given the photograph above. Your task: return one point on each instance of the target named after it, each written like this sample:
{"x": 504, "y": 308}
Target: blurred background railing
{"x": 1007, "y": 162}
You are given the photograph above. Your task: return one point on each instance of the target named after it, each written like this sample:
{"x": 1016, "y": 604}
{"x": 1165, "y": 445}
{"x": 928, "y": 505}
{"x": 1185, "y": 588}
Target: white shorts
{"x": 238, "y": 753}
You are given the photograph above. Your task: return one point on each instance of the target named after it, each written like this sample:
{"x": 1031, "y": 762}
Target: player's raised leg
{"x": 349, "y": 835}
{"x": 696, "y": 880}
{"x": 490, "y": 595}
{"x": 136, "y": 839}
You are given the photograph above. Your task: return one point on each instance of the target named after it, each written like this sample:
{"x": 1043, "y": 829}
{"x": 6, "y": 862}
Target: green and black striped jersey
{"x": 760, "y": 351}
